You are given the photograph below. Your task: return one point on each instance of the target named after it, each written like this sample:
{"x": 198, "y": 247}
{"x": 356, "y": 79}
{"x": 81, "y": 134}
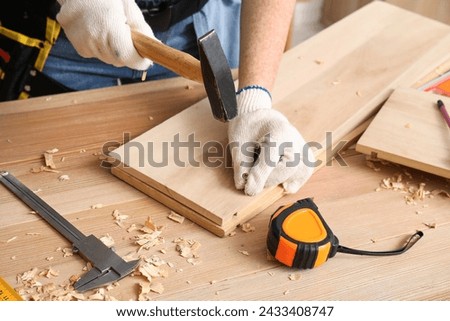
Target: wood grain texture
{"x": 358, "y": 215}
{"x": 410, "y": 130}
{"x": 327, "y": 86}
{"x": 178, "y": 61}
{"x": 53, "y": 122}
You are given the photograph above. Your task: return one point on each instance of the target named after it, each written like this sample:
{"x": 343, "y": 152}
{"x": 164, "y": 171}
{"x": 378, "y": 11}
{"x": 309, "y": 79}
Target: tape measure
{"x": 7, "y": 293}
{"x": 299, "y": 237}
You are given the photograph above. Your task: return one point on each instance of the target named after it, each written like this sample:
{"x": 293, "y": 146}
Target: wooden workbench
{"x": 230, "y": 268}
{"x": 84, "y": 126}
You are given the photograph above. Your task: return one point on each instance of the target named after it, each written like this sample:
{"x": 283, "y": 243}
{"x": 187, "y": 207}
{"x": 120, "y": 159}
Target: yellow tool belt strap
{"x": 51, "y": 34}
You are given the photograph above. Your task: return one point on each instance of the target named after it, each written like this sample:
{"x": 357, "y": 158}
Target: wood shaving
{"x": 148, "y": 240}
{"x": 99, "y": 295}
{"x": 40, "y": 169}
{"x": 319, "y": 61}
{"x": 131, "y": 228}
{"x": 286, "y": 292}
{"x": 52, "y": 151}
{"x": 271, "y": 273}
{"x": 336, "y": 82}
{"x": 188, "y": 249}
{"x": 359, "y": 93}
{"x": 247, "y": 228}
{"x": 157, "y": 288}
{"x": 294, "y": 276}
{"x": 193, "y": 261}
{"x": 413, "y": 193}
{"x": 151, "y": 235}
{"x": 49, "y": 273}
{"x": 407, "y": 125}
{"x": 67, "y": 252}
{"x": 243, "y": 252}
{"x": 63, "y": 178}
{"x": 430, "y": 225}
{"x": 11, "y": 239}
{"x": 176, "y": 217}
{"x": 149, "y": 271}
{"x": 149, "y": 223}
{"x": 231, "y": 234}
{"x": 150, "y": 118}
{"x": 107, "y": 240}
{"x": 144, "y": 290}
{"x": 96, "y": 206}
{"x": 49, "y": 258}
{"x": 28, "y": 276}
{"x": 155, "y": 260}
{"x": 119, "y": 218}
{"x": 49, "y": 161}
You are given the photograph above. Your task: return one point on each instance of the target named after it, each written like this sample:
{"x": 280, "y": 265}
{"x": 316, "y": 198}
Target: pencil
{"x": 444, "y": 112}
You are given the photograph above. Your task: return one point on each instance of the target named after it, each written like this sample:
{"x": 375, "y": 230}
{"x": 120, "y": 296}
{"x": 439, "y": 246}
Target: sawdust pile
{"x": 40, "y": 285}
{"x": 402, "y": 182}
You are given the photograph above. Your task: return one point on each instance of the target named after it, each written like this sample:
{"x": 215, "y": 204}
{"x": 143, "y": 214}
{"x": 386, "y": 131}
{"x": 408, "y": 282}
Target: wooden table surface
{"x": 80, "y": 124}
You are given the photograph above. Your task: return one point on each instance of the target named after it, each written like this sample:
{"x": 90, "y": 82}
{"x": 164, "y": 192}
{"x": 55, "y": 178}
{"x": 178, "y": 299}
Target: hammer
{"x": 212, "y": 70}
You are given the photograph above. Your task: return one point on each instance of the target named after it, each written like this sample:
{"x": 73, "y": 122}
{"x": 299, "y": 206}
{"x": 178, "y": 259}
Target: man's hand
{"x": 267, "y": 149}
{"x": 102, "y": 29}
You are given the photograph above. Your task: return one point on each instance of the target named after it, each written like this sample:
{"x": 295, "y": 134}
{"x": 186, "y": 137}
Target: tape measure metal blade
{"x": 7, "y": 293}
{"x": 299, "y": 236}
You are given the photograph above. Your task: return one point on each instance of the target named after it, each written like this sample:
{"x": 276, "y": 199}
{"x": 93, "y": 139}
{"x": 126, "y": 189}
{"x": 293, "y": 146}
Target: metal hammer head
{"x": 217, "y": 78}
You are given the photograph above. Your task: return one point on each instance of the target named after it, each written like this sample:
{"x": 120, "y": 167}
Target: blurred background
{"x": 311, "y": 16}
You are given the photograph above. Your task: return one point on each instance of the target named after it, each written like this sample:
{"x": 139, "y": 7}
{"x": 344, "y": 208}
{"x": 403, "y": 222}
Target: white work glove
{"x": 102, "y": 29}
{"x": 284, "y": 157}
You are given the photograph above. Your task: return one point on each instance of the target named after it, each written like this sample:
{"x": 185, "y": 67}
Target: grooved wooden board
{"x": 410, "y": 130}
{"x": 327, "y": 86}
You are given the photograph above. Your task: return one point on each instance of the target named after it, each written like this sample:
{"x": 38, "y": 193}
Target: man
{"x": 96, "y": 50}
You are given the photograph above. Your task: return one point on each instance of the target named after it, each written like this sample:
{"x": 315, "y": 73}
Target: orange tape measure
{"x": 299, "y": 237}
{"x": 7, "y": 293}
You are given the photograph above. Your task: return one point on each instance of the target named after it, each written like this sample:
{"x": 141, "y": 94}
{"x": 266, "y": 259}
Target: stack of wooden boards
{"x": 328, "y": 86}
{"x": 410, "y": 130}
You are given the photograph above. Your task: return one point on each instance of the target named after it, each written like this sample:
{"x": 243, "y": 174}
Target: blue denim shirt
{"x": 67, "y": 67}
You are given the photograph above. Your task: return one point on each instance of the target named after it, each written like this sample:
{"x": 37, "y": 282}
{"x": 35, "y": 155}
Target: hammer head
{"x": 217, "y": 78}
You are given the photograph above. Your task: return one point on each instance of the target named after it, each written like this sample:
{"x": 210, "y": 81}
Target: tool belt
{"x": 28, "y": 31}
{"x": 161, "y": 14}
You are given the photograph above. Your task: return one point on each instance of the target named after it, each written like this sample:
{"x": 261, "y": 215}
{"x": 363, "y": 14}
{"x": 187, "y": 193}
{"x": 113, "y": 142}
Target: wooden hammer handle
{"x": 178, "y": 61}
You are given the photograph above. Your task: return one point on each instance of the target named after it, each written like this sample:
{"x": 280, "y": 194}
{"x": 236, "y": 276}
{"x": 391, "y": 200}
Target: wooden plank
{"x": 331, "y": 83}
{"x": 410, "y": 130}
{"x": 30, "y": 127}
